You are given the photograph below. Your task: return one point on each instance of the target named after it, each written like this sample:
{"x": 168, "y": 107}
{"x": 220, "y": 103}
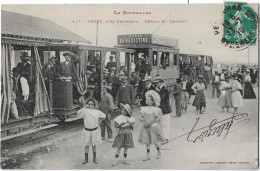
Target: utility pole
{"x": 97, "y": 34}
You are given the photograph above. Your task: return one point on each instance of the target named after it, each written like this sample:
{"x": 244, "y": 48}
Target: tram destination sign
{"x": 139, "y": 39}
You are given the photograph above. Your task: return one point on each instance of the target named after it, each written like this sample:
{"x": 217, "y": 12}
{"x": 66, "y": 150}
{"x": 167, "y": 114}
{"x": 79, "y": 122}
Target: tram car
{"x": 27, "y": 50}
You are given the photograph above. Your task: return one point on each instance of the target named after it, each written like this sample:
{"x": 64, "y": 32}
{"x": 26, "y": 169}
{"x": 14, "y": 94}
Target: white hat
{"x": 147, "y": 78}
{"x": 127, "y": 108}
{"x": 155, "y": 96}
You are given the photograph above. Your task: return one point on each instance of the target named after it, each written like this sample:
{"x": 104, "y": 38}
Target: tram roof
{"x": 192, "y": 55}
{"x": 102, "y": 48}
{"x": 148, "y": 46}
{"x": 17, "y": 26}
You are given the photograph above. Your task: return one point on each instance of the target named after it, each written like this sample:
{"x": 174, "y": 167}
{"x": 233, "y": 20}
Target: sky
{"x": 195, "y": 33}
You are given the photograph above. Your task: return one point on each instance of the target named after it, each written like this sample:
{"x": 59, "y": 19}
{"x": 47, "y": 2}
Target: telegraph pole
{"x": 97, "y": 34}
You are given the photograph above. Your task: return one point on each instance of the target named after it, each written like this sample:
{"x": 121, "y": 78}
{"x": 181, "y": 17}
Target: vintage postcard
{"x": 130, "y": 86}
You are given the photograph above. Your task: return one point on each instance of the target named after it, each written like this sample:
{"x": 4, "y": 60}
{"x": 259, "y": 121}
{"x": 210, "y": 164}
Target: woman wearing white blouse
{"x": 199, "y": 100}
{"x": 225, "y": 97}
{"x": 91, "y": 133}
{"x": 236, "y": 97}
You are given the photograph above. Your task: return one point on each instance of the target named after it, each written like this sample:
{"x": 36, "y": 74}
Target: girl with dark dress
{"x": 124, "y": 139}
{"x": 253, "y": 77}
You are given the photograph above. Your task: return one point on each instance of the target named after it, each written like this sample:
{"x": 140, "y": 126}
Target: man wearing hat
{"x": 50, "y": 69}
{"x": 25, "y": 66}
{"x": 21, "y": 90}
{"x": 126, "y": 92}
{"x": 177, "y": 97}
{"x": 106, "y": 105}
{"x": 215, "y": 84}
{"x": 148, "y": 86}
{"x": 111, "y": 63}
{"x": 67, "y": 68}
{"x": 165, "y": 106}
{"x": 138, "y": 67}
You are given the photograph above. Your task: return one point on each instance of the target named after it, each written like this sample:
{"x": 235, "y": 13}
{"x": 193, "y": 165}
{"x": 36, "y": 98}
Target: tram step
{"x": 27, "y": 132}
{"x": 72, "y": 119}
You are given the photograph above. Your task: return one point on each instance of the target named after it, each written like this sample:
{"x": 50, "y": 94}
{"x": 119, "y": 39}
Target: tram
{"x": 162, "y": 53}
{"x": 52, "y": 100}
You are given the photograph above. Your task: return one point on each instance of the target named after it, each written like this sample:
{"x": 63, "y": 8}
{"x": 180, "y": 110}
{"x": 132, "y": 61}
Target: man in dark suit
{"x": 165, "y": 106}
{"x": 25, "y": 66}
{"x": 177, "y": 97}
{"x": 67, "y": 68}
{"x": 111, "y": 63}
{"x": 148, "y": 86}
{"x": 126, "y": 92}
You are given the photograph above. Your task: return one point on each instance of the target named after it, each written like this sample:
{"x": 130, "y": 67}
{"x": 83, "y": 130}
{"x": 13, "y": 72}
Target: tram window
{"x": 122, "y": 59}
{"x": 171, "y": 60}
{"x": 154, "y": 58}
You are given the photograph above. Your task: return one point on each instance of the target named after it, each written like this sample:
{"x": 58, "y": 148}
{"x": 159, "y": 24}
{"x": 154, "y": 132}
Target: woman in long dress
{"x": 151, "y": 132}
{"x": 248, "y": 89}
{"x": 199, "y": 100}
{"x": 224, "y": 100}
{"x": 236, "y": 97}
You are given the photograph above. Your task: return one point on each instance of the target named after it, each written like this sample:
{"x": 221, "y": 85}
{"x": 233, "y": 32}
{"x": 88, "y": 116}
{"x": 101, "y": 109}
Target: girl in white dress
{"x": 151, "y": 132}
{"x": 91, "y": 133}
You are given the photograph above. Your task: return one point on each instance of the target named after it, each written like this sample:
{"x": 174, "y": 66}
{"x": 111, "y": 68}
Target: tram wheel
{"x": 62, "y": 118}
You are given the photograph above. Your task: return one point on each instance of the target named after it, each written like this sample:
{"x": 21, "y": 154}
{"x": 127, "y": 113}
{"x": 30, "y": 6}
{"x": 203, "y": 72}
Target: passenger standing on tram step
{"x": 147, "y": 68}
{"x": 126, "y": 92}
{"x": 111, "y": 63}
{"x": 22, "y": 92}
{"x": 184, "y": 94}
{"x": 91, "y": 133}
{"x": 165, "y": 106}
{"x": 138, "y": 67}
{"x": 67, "y": 68}
{"x": 106, "y": 105}
{"x": 50, "y": 71}
{"x": 177, "y": 97}
{"x": 25, "y": 66}
{"x": 215, "y": 85}
{"x": 148, "y": 86}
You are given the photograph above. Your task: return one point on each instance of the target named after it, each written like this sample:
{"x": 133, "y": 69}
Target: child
{"x": 124, "y": 138}
{"x": 91, "y": 133}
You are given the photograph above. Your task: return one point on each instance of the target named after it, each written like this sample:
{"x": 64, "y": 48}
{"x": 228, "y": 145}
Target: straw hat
{"x": 88, "y": 72}
{"x": 113, "y": 69}
{"x": 155, "y": 96}
{"x": 106, "y": 71}
{"x": 127, "y": 108}
{"x": 123, "y": 79}
{"x": 157, "y": 79}
{"x": 108, "y": 87}
{"x": 147, "y": 78}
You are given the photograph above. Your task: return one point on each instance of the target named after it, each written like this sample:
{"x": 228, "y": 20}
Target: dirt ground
{"x": 238, "y": 150}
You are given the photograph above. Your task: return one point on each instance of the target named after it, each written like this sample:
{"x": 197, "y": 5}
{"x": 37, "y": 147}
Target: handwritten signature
{"x": 216, "y": 128}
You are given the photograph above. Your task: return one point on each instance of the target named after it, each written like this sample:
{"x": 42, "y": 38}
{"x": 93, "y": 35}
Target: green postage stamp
{"x": 240, "y": 25}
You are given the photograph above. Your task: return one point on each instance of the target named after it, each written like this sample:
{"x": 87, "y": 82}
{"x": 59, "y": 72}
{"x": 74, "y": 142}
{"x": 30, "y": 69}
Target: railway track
{"x": 62, "y": 128}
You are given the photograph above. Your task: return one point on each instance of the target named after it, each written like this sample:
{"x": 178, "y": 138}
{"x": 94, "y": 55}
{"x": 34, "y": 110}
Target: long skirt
{"x": 236, "y": 99}
{"x": 152, "y": 135}
{"x": 124, "y": 140}
{"x": 249, "y": 91}
{"x": 184, "y": 99}
{"x": 91, "y": 137}
{"x": 199, "y": 100}
{"x": 166, "y": 125}
{"x": 225, "y": 99}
